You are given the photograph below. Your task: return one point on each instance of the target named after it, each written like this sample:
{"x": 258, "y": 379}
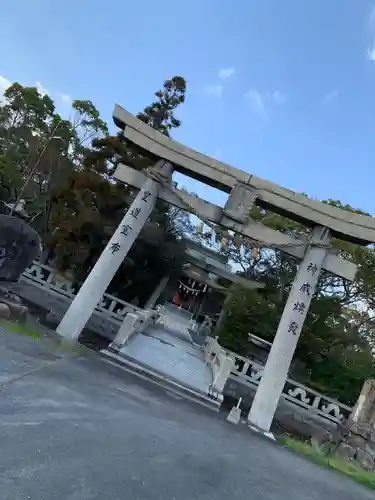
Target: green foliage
{"x": 20, "y": 329}
{"x": 63, "y": 169}
{"x": 346, "y": 467}
{"x": 335, "y": 349}
{"x": 160, "y": 114}
{"x": 109, "y": 151}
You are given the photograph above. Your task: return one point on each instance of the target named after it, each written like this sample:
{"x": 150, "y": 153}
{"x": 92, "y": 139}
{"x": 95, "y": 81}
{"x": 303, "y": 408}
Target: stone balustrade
{"x": 220, "y": 362}
{"x": 133, "y": 324}
{"x": 250, "y": 373}
{"x": 48, "y": 278}
{"x": 171, "y": 319}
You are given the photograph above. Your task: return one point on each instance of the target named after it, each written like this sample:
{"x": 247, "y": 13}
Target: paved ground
{"x": 73, "y": 428}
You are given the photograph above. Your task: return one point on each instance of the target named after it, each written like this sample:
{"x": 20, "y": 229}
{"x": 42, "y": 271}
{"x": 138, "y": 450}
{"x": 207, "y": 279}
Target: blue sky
{"x": 284, "y": 89}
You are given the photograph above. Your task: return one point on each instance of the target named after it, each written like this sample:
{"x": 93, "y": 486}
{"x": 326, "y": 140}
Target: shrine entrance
{"x": 245, "y": 190}
{"x": 191, "y": 291}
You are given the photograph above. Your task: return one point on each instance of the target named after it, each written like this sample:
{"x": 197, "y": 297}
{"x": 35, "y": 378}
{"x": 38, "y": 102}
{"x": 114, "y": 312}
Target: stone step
{"x": 172, "y": 385}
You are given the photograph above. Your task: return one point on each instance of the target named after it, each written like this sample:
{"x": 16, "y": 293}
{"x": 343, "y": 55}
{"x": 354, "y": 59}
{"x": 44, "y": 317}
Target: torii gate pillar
{"x": 279, "y": 359}
{"x": 96, "y": 283}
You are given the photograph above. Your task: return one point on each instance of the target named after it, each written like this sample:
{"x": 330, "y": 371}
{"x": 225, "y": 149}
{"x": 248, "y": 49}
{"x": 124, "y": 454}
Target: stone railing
{"x": 133, "y": 324}
{"x": 47, "y": 278}
{"x": 250, "y": 373}
{"x": 175, "y": 322}
{"x": 219, "y": 361}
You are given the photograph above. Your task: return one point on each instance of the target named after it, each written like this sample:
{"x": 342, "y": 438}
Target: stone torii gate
{"x": 244, "y": 190}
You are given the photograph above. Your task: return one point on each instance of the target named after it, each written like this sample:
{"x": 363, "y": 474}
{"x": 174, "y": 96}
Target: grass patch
{"x": 75, "y": 349}
{"x": 20, "y": 328}
{"x": 346, "y": 467}
{"x": 23, "y": 329}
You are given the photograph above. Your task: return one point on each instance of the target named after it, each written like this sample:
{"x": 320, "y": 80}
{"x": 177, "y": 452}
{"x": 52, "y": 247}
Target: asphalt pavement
{"x": 73, "y": 427}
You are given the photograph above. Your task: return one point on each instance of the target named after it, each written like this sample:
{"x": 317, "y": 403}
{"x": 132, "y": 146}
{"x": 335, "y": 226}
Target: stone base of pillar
{"x": 269, "y": 435}
{"x": 69, "y": 342}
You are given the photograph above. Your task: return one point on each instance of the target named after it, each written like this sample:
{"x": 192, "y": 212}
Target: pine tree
{"x": 109, "y": 151}
{"x": 160, "y": 114}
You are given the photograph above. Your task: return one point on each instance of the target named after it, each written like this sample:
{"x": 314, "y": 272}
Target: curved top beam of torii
{"x": 343, "y": 225}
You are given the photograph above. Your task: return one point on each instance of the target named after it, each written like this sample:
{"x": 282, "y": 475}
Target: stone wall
{"x": 357, "y": 439}
{"x": 358, "y": 443}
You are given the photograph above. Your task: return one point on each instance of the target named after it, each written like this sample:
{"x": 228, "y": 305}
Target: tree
{"x": 160, "y": 114}
{"x": 109, "y": 151}
{"x": 39, "y": 150}
{"x": 64, "y": 170}
{"x": 335, "y": 347}
{"x": 90, "y": 207}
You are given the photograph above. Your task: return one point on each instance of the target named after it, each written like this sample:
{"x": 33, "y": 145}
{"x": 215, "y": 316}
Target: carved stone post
{"x": 223, "y": 311}
{"x": 157, "y": 292}
{"x": 364, "y": 409}
{"x": 113, "y": 255}
{"x": 276, "y": 370}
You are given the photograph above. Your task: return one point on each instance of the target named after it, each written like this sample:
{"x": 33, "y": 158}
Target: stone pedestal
{"x": 357, "y": 441}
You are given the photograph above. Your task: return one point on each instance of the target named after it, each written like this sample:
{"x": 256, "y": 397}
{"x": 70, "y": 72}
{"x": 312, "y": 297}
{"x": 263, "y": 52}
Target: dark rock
{"x": 344, "y": 428}
{"x": 365, "y": 459}
{"x": 363, "y": 430}
{"x": 19, "y": 246}
{"x": 356, "y": 441}
{"x": 370, "y": 448}
{"x": 345, "y": 451}
{"x": 323, "y": 440}
{"x": 4, "y": 311}
{"x": 322, "y": 436}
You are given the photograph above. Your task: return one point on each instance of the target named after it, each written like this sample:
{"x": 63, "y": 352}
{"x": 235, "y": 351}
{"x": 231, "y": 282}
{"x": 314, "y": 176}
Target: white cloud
{"x": 65, "y": 98}
{"x": 371, "y": 28}
{"x": 4, "y": 84}
{"x": 42, "y": 90}
{"x": 217, "y": 89}
{"x": 257, "y": 102}
{"x": 226, "y": 73}
{"x": 61, "y": 100}
{"x": 278, "y": 96}
{"x": 214, "y": 90}
{"x": 330, "y": 97}
{"x": 371, "y": 54}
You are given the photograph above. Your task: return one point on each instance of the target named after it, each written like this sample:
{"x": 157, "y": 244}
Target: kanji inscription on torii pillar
{"x": 287, "y": 335}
